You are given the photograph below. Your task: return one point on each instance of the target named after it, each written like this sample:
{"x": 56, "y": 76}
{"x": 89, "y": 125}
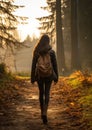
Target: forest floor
{"x": 19, "y": 107}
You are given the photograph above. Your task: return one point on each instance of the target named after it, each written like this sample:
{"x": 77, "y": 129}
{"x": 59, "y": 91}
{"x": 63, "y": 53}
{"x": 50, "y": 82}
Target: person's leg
{"x": 41, "y": 95}
{"x": 47, "y": 94}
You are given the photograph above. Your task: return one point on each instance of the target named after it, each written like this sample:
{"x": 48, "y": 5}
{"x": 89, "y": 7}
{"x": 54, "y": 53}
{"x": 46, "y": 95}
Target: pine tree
{"x": 8, "y": 22}
{"x": 47, "y": 23}
{"x": 75, "y": 61}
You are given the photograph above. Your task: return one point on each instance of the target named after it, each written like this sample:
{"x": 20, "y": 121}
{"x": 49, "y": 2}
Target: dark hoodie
{"x": 53, "y": 61}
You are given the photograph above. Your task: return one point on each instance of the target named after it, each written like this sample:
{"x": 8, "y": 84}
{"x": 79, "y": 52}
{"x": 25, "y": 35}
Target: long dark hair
{"x": 43, "y": 45}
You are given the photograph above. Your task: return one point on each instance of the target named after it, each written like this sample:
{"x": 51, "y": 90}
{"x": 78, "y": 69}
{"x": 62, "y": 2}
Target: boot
{"x": 44, "y": 118}
{"x": 44, "y": 114}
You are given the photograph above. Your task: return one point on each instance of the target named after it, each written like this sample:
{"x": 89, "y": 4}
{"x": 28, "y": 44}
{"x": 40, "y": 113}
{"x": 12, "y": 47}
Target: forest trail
{"x": 20, "y": 109}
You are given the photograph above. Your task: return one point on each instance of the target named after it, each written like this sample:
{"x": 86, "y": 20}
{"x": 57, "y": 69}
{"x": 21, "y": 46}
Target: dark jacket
{"x": 54, "y": 64}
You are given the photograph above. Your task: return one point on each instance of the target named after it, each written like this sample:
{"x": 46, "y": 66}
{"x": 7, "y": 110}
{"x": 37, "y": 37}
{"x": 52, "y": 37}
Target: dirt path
{"x": 22, "y": 112}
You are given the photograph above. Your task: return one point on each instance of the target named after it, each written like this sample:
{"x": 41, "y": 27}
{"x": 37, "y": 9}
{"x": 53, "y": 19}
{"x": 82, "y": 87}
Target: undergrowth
{"x": 84, "y": 81}
{"x": 5, "y": 76}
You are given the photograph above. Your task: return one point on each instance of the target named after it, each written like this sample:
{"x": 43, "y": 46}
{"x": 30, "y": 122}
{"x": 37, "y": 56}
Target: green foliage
{"x": 86, "y": 101}
{"x": 74, "y": 82}
{"x": 74, "y": 79}
{"x": 9, "y": 22}
{"x": 4, "y": 74}
{"x": 83, "y": 80}
{"x": 23, "y": 74}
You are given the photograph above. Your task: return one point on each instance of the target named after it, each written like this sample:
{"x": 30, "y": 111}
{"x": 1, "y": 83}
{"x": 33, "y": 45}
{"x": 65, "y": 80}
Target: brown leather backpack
{"x": 44, "y": 66}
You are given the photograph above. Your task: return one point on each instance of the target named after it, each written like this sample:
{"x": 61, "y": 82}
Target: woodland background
{"x": 69, "y": 26}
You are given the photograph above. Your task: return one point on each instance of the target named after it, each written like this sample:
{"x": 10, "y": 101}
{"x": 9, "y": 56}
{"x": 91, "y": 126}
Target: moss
{"x": 74, "y": 82}
{"x": 86, "y": 102}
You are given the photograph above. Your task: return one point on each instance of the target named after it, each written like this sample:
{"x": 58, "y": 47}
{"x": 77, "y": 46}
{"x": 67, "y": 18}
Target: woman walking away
{"x": 44, "y": 71}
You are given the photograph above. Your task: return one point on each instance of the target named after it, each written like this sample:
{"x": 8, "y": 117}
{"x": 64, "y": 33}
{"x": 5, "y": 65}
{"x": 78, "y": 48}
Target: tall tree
{"x": 85, "y": 26}
{"x": 8, "y": 22}
{"x": 47, "y": 23}
{"x": 59, "y": 37}
{"x": 75, "y": 61}
{"x": 66, "y": 8}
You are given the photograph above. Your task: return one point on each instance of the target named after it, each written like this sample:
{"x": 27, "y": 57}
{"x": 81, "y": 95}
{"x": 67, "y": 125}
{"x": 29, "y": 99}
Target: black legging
{"x": 44, "y": 91}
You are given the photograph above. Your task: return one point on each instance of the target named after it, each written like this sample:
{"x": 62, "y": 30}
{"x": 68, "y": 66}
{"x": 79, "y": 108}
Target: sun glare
{"x": 31, "y": 10}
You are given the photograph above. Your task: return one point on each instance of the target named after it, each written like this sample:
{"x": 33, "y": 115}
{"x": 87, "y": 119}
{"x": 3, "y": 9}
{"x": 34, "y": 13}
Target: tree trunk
{"x": 75, "y": 61}
{"x": 59, "y": 39}
{"x": 85, "y": 25}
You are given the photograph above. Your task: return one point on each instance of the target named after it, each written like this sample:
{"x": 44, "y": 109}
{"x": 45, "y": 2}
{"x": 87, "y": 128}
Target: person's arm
{"x": 34, "y": 60}
{"x": 54, "y": 63}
